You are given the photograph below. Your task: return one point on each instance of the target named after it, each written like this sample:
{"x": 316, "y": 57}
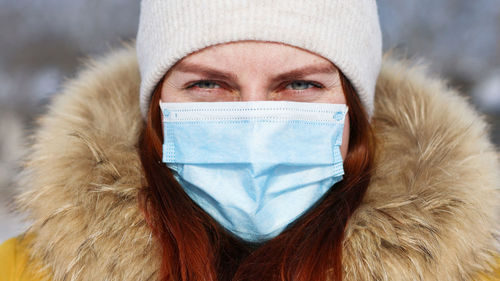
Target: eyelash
{"x": 308, "y": 83}
{"x": 202, "y": 81}
{"x": 311, "y": 83}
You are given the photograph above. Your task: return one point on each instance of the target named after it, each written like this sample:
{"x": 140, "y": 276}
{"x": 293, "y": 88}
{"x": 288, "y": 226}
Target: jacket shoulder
{"x": 15, "y": 264}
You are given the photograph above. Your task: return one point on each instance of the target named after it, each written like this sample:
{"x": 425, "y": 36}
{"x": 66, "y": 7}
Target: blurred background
{"x": 43, "y": 44}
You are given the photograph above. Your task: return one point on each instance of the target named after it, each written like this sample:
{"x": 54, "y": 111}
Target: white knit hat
{"x": 346, "y": 32}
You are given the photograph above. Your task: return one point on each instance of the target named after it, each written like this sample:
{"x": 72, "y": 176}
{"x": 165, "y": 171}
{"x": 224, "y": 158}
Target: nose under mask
{"x": 255, "y": 167}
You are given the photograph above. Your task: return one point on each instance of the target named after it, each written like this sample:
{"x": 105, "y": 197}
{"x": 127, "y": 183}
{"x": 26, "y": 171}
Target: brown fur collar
{"x": 429, "y": 214}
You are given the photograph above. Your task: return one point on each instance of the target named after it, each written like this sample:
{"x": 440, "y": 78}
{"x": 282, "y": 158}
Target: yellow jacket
{"x": 14, "y": 266}
{"x": 430, "y": 212}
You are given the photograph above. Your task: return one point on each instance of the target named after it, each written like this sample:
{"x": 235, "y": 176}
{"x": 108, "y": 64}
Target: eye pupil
{"x": 206, "y": 84}
{"x": 300, "y": 85}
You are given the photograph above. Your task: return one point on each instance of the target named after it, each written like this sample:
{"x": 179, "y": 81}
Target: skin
{"x": 255, "y": 71}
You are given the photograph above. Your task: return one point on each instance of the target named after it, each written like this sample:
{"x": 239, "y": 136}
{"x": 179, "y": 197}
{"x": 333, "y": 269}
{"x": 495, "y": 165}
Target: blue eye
{"x": 206, "y": 84}
{"x": 301, "y": 85}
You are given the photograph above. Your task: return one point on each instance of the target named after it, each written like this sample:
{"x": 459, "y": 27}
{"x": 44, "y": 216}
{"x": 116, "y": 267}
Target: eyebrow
{"x": 289, "y": 75}
{"x": 204, "y": 70}
{"x": 306, "y": 70}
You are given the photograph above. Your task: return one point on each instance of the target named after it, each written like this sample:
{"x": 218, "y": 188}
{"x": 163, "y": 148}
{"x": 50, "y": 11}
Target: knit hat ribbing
{"x": 346, "y": 32}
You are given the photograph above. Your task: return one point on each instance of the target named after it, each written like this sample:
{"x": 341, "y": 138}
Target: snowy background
{"x": 43, "y": 43}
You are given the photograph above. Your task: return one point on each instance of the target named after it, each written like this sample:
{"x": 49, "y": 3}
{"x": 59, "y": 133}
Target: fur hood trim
{"x": 430, "y": 212}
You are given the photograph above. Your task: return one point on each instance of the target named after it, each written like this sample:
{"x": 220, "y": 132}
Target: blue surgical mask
{"x": 255, "y": 167}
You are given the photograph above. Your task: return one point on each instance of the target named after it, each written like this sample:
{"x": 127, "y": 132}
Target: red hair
{"x": 197, "y": 248}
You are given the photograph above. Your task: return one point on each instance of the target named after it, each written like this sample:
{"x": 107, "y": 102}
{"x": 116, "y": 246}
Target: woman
{"x": 253, "y": 145}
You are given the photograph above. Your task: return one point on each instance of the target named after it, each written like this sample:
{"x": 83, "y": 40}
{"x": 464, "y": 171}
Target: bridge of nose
{"x": 254, "y": 85}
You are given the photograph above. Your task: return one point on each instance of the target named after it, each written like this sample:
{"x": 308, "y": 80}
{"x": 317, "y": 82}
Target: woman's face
{"x": 255, "y": 71}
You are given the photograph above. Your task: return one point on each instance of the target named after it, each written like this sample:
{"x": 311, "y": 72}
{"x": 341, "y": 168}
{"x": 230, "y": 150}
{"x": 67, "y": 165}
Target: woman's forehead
{"x": 254, "y": 54}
